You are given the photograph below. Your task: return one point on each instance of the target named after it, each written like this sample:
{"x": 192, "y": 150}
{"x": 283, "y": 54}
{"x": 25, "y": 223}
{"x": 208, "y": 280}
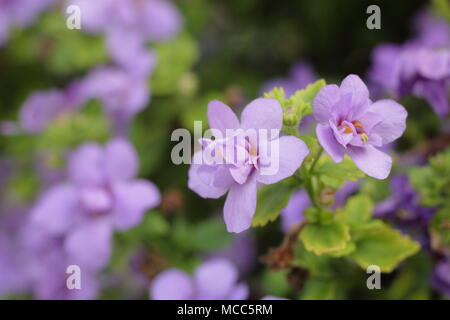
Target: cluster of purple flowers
{"x": 420, "y": 67}
{"x": 122, "y": 86}
{"x": 73, "y": 220}
{"x": 175, "y": 284}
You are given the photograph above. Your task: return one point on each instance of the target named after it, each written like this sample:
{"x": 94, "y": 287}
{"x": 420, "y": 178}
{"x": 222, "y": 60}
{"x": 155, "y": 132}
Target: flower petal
{"x": 354, "y": 85}
{"x": 89, "y": 244}
{"x": 221, "y": 117}
{"x": 288, "y": 158}
{"x": 121, "y": 161}
{"x": 55, "y": 211}
{"x": 262, "y": 113}
{"x": 172, "y": 284}
{"x": 239, "y": 292}
{"x": 240, "y": 206}
{"x": 132, "y": 200}
{"x": 215, "y": 278}
{"x": 394, "y": 120}
{"x": 371, "y": 161}
{"x": 329, "y": 143}
{"x": 325, "y": 101}
{"x": 204, "y": 179}
{"x": 435, "y": 92}
{"x": 86, "y": 165}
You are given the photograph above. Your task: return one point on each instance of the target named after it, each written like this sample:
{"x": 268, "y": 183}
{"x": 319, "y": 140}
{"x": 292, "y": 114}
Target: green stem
{"x": 319, "y": 154}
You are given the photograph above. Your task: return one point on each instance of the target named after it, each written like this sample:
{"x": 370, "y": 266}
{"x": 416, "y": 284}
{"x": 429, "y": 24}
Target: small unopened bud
{"x": 326, "y": 196}
{"x": 291, "y": 116}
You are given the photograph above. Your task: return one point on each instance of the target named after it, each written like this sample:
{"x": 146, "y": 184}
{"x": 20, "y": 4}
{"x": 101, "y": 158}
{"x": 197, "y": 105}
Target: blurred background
{"x": 137, "y": 70}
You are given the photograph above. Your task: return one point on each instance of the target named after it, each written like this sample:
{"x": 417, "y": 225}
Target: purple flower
{"x": 349, "y": 123}
{"x": 121, "y": 93}
{"x": 403, "y": 205}
{"x": 420, "y": 67}
{"x": 134, "y": 58}
{"x": 46, "y": 263}
{"x": 292, "y": 214}
{"x": 43, "y": 107}
{"x": 13, "y": 277}
{"x": 441, "y": 277}
{"x": 40, "y": 109}
{"x": 101, "y": 195}
{"x": 130, "y": 22}
{"x": 20, "y": 13}
{"x": 249, "y": 159}
{"x": 213, "y": 280}
{"x": 153, "y": 20}
{"x": 299, "y": 77}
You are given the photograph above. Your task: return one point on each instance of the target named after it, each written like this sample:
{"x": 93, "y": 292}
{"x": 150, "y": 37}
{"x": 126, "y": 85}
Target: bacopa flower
{"x": 213, "y": 280}
{"x": 261, "y": 162}
{"x": 420, "y": 67}
{"x": 441, "y": 277}
{"x": 403, "y": 206}
{"x": 101, "y": 195}
{"x": 350, "y": 123}
{"x": 43, "y": 107}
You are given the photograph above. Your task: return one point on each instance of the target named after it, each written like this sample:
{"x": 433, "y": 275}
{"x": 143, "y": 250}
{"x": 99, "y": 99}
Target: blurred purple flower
{"x": 128, "y": 25}
{"x": 43, "y": 107}
{"x": 213, "y": 280}
{"x": 299, "y": 77}
{"x": 421, "y": 66}
{"x": 403, "y": 205}
{"x": 20, "y": 13}
{"x": 441, "y": 277}
{"x": 350, "y": 123}
{"x": 46, "y": 263}
{"x": 40, "y": 108}
{"x": 153, "y": 20}
{"x": 292, "y": 214}
{"x": 13, "y": 278}
{"x": 100, "y": 196}
{"x": 133, "y": 57}
{"x": 122, "y": 94}
{"x": 241, "y": 177}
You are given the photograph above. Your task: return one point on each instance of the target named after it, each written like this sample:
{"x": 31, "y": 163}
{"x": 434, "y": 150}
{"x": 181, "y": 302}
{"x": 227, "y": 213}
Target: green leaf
{"x": 275, "y": 283}
{"x": 358, "y": 210}
{"x": 209, "y": 235}
{"x": 432, "y": 182}
{"x": 278, "y": 94}
{"x": 320, "y": 289}
{"x": 336, "y": 174}
{"x": 383, "y": 246}
{"x": 323, "y": 238}
{"x": 271, "y": 200}
{"x": 318, "y": 266}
